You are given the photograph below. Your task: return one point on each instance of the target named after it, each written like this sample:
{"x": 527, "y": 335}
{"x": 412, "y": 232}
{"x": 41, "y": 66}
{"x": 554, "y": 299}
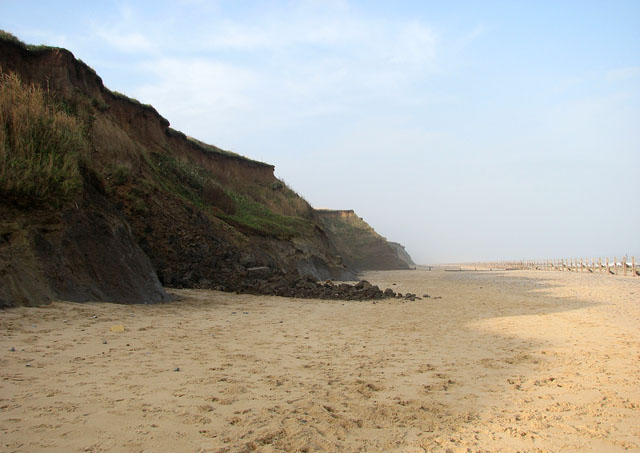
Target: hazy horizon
{"x": 465, "y": 131}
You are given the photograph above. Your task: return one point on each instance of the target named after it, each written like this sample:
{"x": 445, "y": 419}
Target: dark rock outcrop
{"x": 304, "y": 287}
{"x": 84, "y": 253}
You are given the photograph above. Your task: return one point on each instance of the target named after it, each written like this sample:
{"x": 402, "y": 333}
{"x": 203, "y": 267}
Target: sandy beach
{"x": 502, "y": 361}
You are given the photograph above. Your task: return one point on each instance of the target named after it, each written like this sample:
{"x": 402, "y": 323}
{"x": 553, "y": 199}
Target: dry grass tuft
{"x": 40, "y": 146}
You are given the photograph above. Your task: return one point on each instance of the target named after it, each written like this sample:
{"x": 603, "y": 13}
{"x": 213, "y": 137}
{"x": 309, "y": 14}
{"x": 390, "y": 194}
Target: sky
{"x": 464, "y": 130}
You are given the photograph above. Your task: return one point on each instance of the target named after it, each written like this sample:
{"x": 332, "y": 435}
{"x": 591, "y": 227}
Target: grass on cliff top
{"x": 123, "y": 96}
{"x": 353, "y": 231}
{"x": 190, "y": 182}
{"x": 196, "y": 185}
{"x": 261, "y": 219}
{"x": 6, "y": 36}
{"x": 281, "y": 199}
{"x": 40, "y": 146}
{"x": 216, "y": 150}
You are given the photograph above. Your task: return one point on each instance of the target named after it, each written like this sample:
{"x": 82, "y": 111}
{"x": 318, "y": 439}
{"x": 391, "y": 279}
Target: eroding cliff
{"x": 402, "y": 253}
{"x": 83, "y": 252}
{"x": 361, "y": 247}
{"x": 169, "y": 208}
{"x": 151, "y": 206}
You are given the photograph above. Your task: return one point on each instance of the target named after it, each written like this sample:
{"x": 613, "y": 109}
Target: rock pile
{"x": 266, "y": 281}
{"x": 307, "y": 287}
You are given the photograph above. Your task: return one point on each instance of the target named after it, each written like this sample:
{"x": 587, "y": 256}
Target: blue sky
{"x": 464, "y": 130}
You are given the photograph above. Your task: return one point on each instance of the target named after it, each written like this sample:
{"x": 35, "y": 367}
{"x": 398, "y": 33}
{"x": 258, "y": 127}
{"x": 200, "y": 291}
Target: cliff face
{"x": 402, "y": 253}
{"x": 157, "y": 207}
{"x": 81, "y": 254}
{"x": 361, "y": 247}
{"x": 160, "y": 202}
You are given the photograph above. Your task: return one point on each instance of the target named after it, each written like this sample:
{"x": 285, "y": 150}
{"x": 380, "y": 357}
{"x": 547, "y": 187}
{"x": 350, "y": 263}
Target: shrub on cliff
{"x": 40, "y": 146}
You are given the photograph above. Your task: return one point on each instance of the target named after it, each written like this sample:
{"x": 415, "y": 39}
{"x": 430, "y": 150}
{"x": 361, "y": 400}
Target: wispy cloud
{"x": 203, "y": 96}
{"x": 128, "y": 41}
{"x": 314, "y": 60}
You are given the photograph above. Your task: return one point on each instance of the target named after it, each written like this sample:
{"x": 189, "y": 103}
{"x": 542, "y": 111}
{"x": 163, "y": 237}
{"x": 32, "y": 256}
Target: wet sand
{"x": 504, "y": 361}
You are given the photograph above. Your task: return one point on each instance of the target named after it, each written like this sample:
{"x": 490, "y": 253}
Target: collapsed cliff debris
{"x": 279, "y": 283}
{"x": 265, "y": 281}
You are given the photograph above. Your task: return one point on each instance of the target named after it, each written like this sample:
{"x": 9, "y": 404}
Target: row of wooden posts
{"x": 625, "y": 266}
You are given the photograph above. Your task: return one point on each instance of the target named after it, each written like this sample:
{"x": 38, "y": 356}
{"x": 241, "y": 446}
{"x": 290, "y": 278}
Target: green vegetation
{"x": 123, "y": 96}
{"x": 281, "y": 199}
{"x": 185, "y": 176}
{"x": 117, "y": 174}
{"x": 196, "y": 185}
{"x": 100, "y": 105}
{"x": 260, "y": 219}
{"x": 89, "y": 68}
{"x": 191, "y": 182}
{"x": 6, "y": 36}
{"x": 216, "y": 150}
{"x": 352, "y": 233}
{"x": 41, "y": 146}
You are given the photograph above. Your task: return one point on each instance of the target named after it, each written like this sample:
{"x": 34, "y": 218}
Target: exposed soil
{"x": 84, "y": 252}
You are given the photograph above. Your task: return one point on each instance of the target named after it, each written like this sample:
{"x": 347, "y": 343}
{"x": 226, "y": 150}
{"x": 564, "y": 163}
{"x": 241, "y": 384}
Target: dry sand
{"x": 507, "y": 361}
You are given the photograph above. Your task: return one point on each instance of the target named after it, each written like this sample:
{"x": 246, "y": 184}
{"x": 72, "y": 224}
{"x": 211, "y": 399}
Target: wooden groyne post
{"x": 568, "y": 265}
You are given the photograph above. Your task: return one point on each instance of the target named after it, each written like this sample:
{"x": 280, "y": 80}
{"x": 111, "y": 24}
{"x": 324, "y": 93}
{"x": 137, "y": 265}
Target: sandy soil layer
{"x": 519, "y": 360}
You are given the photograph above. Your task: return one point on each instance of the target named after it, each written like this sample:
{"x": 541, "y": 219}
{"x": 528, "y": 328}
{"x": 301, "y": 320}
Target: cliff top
{"x": 10, "y": 41}
{"x": 336, "y": 211}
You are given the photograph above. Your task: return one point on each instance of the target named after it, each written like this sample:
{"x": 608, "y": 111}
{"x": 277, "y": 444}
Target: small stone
{"x": 28, "y": 364}
{"x": 104, "y": 341}
{"x": 12, "y": 349}
{"x": 245, "y": 312}
{"x": 176, "y": 368}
